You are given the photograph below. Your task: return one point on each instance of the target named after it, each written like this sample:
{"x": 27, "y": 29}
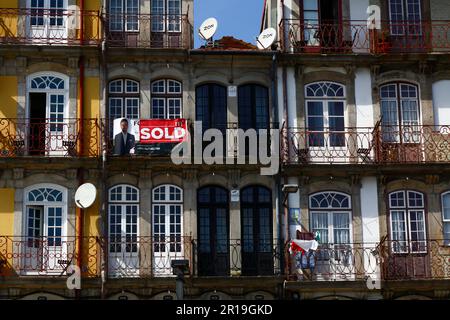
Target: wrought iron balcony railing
{"x": 50, "y": 27}
{"x": 381, "y": 261}
{"x": 350, "y": 37}
{"x": 379, "y": 145}
{"x": 136, "y": 256}
{"x": 55, "y": 137}
{"x": 148, "y": 31}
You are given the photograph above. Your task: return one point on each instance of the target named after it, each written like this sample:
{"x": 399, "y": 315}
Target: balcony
{"x": 354, "y": 37}
{"x": 148, "y": 31}
{"x": 50, "y": 137}
{"x": 412, "y": 144}
{"x": 134, "y": 257}
{"x": 50, "y": 27}
{"x": 388, "y": 261}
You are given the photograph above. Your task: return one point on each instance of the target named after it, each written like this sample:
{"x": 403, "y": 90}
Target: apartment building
{"x": 364, "y": 138}
{"x": 365, "y": 128}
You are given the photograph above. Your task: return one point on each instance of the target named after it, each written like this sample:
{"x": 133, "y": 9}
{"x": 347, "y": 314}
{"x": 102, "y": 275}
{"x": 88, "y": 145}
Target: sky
{"x": 238, "y": 18}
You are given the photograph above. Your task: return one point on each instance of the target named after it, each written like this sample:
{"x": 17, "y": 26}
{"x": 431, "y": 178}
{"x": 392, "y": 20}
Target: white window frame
{"x": 167, "y": 96}
{"x": 123, "y": 12}
{"x": 401, "y": 124}
{"x": 165, "y": 21}
{"x": 330, "y": 211}
{"x": 405, "y": 21}
{"x": 125, "y": 95}
{"x": 407, "y": 210}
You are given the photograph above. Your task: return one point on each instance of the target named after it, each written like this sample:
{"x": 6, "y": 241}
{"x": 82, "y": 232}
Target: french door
{"x": 168, "y": 242}
{"x": 166, "y": 23}
{"x": 213, "y": 232}
{"x": 47, "y": 20}
{"x": 257, "y": 233}
{"x": 46, "y": 250}
{"x": 123, "y": 213}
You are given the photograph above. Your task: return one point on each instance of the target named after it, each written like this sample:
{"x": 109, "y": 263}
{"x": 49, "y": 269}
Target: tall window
{"x": 166, "y": 15}
{"x": 446, "y": 217}
{"x": 330, "y": 214}
{"x": 256, "y": 224}
{"x": 124, "y": 99}
{"x": 400, "y": 112}
{"x": 123, "y": 215}
{"x": 325, "y": 104}
{"x": 45, "y": 228}
{"x": 211, "y": 106}
{"x": 167, "y": 96}
{"x": 253, "y": 107}
{"x": 124, "y": 15}
{"x": 407, "y": 218}
{"x": 405, "y": 17}
{"x": 167, "y": 226}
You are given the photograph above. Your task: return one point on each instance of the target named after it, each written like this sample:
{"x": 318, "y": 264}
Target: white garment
{"x": 307, "y": 244}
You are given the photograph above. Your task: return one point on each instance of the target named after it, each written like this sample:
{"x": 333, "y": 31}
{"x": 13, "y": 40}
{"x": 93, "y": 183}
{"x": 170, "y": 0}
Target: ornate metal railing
{"x": 50, "y": 137}
{"x": 50, "y": 27}
{"x": 353, "y": 36}
{"x": 238, "y": 258}
{"x": 335, "y": 262}
{"x": 414, "y": 260}
{"x": 378, "y": 145}
{"x": 148, "y": 31}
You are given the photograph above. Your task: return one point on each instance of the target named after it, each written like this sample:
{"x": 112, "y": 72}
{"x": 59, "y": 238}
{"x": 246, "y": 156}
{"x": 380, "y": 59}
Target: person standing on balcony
{"x": 123, "y": 141}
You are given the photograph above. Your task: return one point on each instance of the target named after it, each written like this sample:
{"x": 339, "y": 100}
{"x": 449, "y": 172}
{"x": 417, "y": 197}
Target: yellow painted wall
{"x": 8, "y": 97}
{"x": 9, "y": 3}
{"x": 92, "y": 135}
{"x": 8, "y": 109}
{"x": 6, "y": 228}
{"x": 92, "y": 22}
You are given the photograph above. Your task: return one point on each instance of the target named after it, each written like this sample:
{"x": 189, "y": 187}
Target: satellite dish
{"x": 208, "y": 29}
{"x": 266, "y": 38}
{"x": 85, "y": 195}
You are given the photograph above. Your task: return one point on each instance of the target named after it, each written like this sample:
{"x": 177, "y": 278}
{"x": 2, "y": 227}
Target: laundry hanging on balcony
{"x": 304, "y": 252}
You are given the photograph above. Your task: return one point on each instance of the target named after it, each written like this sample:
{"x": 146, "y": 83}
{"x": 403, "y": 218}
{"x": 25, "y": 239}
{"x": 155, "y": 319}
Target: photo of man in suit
{"x": 123, "y": 141}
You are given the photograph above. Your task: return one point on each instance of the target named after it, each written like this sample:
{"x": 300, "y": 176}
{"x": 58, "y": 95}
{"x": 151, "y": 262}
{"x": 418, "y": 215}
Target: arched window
{"x": 123, "y": 218}
{"x": 213, "y": 227}
{"x": 325, "y": 108}
{"x": 211, "y": 106}
{"x": 45, "y": 224}
{"x": 253, "y": 107}
{"x": 167, "y": 208}
{"x": 47, "y": 110}
{"x": 257, "y": 231}
{"x": 330, "y": 214}
{"x": 167, "y": 97}
{"x": 400, "y": 112}
{"x": 124, "y": 99}
{"x": 407, "y": 221}
{"x": 446, "y": 216}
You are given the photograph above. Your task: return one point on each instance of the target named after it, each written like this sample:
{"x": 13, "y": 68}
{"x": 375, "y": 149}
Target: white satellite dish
{"x": 85, "y": 195}
{"x": 208, "y": 29}
{"x": 266, "y": 38}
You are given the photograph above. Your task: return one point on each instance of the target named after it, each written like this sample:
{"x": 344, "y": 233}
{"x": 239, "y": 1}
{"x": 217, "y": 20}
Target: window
{"x": 256, "y": 231}
{"x": 325, "y": 104}
{"x": 167, "y": 217}
{"x": 253, "y": 107}
{"x": 167, "y": 96}
{"x": 124, "y": 100}
{"x": 47, "y": 13}
{"x": 166, "y": 15}
{"x": 330, "y": 214}
{"x": 405, "y": 17}
{"x": 400, "y": 112}
{"x": 407, "y": 219}
{"x": 45, "y": 229}
{"x": 446, "y": 217}
{"x": 124, "y": 15}
{"x": 123, "y": 215}
{"x": 211, "y": 106}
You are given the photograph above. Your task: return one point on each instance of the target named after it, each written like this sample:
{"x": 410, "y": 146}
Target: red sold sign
{"x": 162, "y": 131}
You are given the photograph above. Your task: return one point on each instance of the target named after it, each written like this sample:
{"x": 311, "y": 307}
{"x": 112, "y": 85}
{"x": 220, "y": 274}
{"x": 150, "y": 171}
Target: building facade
{"x": 363, "y": 124}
